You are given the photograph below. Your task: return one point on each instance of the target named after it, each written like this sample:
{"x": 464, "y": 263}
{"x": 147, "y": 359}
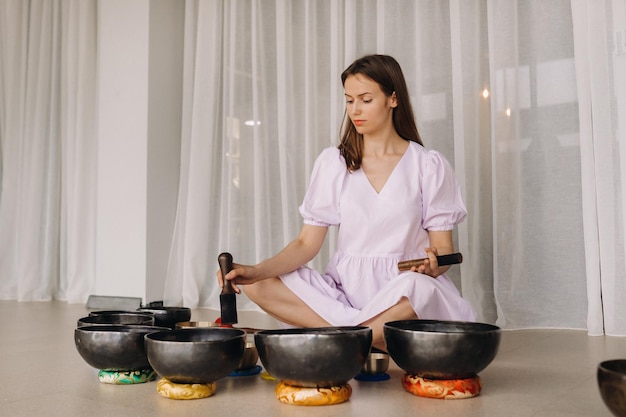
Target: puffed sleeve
{"x": 443, "y": 205}
{"x": 320, "y": 206}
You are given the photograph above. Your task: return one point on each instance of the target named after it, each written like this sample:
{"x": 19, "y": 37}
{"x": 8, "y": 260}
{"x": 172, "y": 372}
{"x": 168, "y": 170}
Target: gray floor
{"x": 537, "y": 373}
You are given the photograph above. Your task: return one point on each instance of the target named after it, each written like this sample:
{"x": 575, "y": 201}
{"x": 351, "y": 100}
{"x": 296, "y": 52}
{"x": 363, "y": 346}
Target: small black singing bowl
{"x": 114, "y": 347}
{"x": 195, "y": 356}
{"x": 436, "y": 349}
{"x": 611, "y": 377}
{"x": 314, "y": 357}
{"x": 167, "y": 316}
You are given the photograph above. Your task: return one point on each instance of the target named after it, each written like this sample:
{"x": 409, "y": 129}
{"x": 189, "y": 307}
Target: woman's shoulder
{"x": 330, "y": 152}
{"x": 429, "y": 162}
{"x": 426, "y": 155}
{"x": 331, "y": 156}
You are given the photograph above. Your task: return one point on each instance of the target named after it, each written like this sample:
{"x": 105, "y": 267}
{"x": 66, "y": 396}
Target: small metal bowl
{"x": 377, "y": 363}
{"x": 195, "y": 324}
{"x": 611, "y": 376}
{"x": 250, "y": 357}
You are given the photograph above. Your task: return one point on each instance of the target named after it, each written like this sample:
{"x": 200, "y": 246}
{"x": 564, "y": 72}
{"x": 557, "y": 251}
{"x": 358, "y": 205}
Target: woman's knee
{"x": 259, "y": 290}
{"x": 251, "y": 290}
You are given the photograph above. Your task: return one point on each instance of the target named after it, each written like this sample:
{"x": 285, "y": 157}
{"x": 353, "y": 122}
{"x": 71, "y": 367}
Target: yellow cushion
{"x": 175, "y": 391}
{"x": 289, "y": 394}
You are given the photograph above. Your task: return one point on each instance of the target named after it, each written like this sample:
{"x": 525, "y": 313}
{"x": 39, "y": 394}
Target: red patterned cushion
{"x": 442, "y": 388}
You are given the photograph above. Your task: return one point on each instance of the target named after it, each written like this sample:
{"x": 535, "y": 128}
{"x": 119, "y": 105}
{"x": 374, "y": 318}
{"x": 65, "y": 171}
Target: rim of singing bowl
{"x": 122, "y": 317}
{"x": 96, "y": 312}
{"x": 164, "y": 309}
{"x": 616, "y": 367}
{"x": 442, "y": 326}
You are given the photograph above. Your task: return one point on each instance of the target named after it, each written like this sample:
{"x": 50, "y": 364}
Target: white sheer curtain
{"x": 538, "y": 249}
{"x": 47, "y": 149}
{"x": 600, "y": 50}
{"x": 527, "y": 99}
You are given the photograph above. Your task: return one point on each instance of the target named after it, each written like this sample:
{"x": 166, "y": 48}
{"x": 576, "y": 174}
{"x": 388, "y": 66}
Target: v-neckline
{"x": 391, "y": 174}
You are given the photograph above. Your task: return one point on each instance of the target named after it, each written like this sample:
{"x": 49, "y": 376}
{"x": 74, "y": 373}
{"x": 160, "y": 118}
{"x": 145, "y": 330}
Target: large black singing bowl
{"x": 437, "y": 349}
{"x": 121, "y": 317}
{"x": 314, "y": 357}
{"x": 195, "y": 356}
{"x": 167, "y": 316}
{"x": 114, "y": 347}
{"x": 611, "y": 377}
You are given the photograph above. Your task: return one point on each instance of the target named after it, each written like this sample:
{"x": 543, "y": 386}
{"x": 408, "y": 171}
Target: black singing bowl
{"x": 121, "y": 317}
{"x": 167, "y": 316}
{"x": 114, "y": 347}
{"x": 195, "y": 356}
{"x": 436, "y": 349}
{"x": 314, "y": 357}
{"x": 611, "y": 377}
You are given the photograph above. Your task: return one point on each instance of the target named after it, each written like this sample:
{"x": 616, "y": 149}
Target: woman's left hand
{"x": 430, "y": 265}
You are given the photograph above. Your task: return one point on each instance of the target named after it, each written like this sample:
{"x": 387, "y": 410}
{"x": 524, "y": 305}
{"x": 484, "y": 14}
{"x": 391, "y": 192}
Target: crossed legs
{"x": 400, "y": 311}
{"x": 273, "y": 296}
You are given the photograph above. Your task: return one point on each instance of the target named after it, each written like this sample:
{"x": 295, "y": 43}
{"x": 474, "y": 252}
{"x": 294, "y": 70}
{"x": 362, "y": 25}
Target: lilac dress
{"x": 376, "y": 231}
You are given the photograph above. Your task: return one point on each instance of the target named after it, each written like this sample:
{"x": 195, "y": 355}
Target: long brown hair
{"x": 385, "y": 71}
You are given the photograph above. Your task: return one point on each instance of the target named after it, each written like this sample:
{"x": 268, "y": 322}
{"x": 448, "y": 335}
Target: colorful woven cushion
{"x": 169, "y": 389}
{"x": 126, "y": 377}
{"x": 289, "y": 394}
{"x": 442, "y": 388}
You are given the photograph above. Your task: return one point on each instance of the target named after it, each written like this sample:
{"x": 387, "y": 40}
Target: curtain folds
{"x": 526, "y": 99}
{"x": 601, "y": 89}
{"x": 48, "y": 145}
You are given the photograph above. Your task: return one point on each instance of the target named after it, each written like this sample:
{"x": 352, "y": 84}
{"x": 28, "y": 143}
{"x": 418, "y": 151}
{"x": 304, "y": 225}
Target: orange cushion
{"x": 289, "y": 394}
{"x": 442, "y": 388}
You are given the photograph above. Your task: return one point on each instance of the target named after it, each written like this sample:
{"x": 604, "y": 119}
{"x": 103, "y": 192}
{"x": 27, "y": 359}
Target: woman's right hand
{"x": 239, "y": 275}
{"x": 297, "y": 253}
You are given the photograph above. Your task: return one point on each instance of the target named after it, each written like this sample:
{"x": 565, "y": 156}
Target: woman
{"x": 391, "y": 199}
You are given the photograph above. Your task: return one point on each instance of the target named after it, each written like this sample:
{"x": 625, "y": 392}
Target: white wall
{"x": 140, "y": 74}
{"x": 165, "y": 95}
